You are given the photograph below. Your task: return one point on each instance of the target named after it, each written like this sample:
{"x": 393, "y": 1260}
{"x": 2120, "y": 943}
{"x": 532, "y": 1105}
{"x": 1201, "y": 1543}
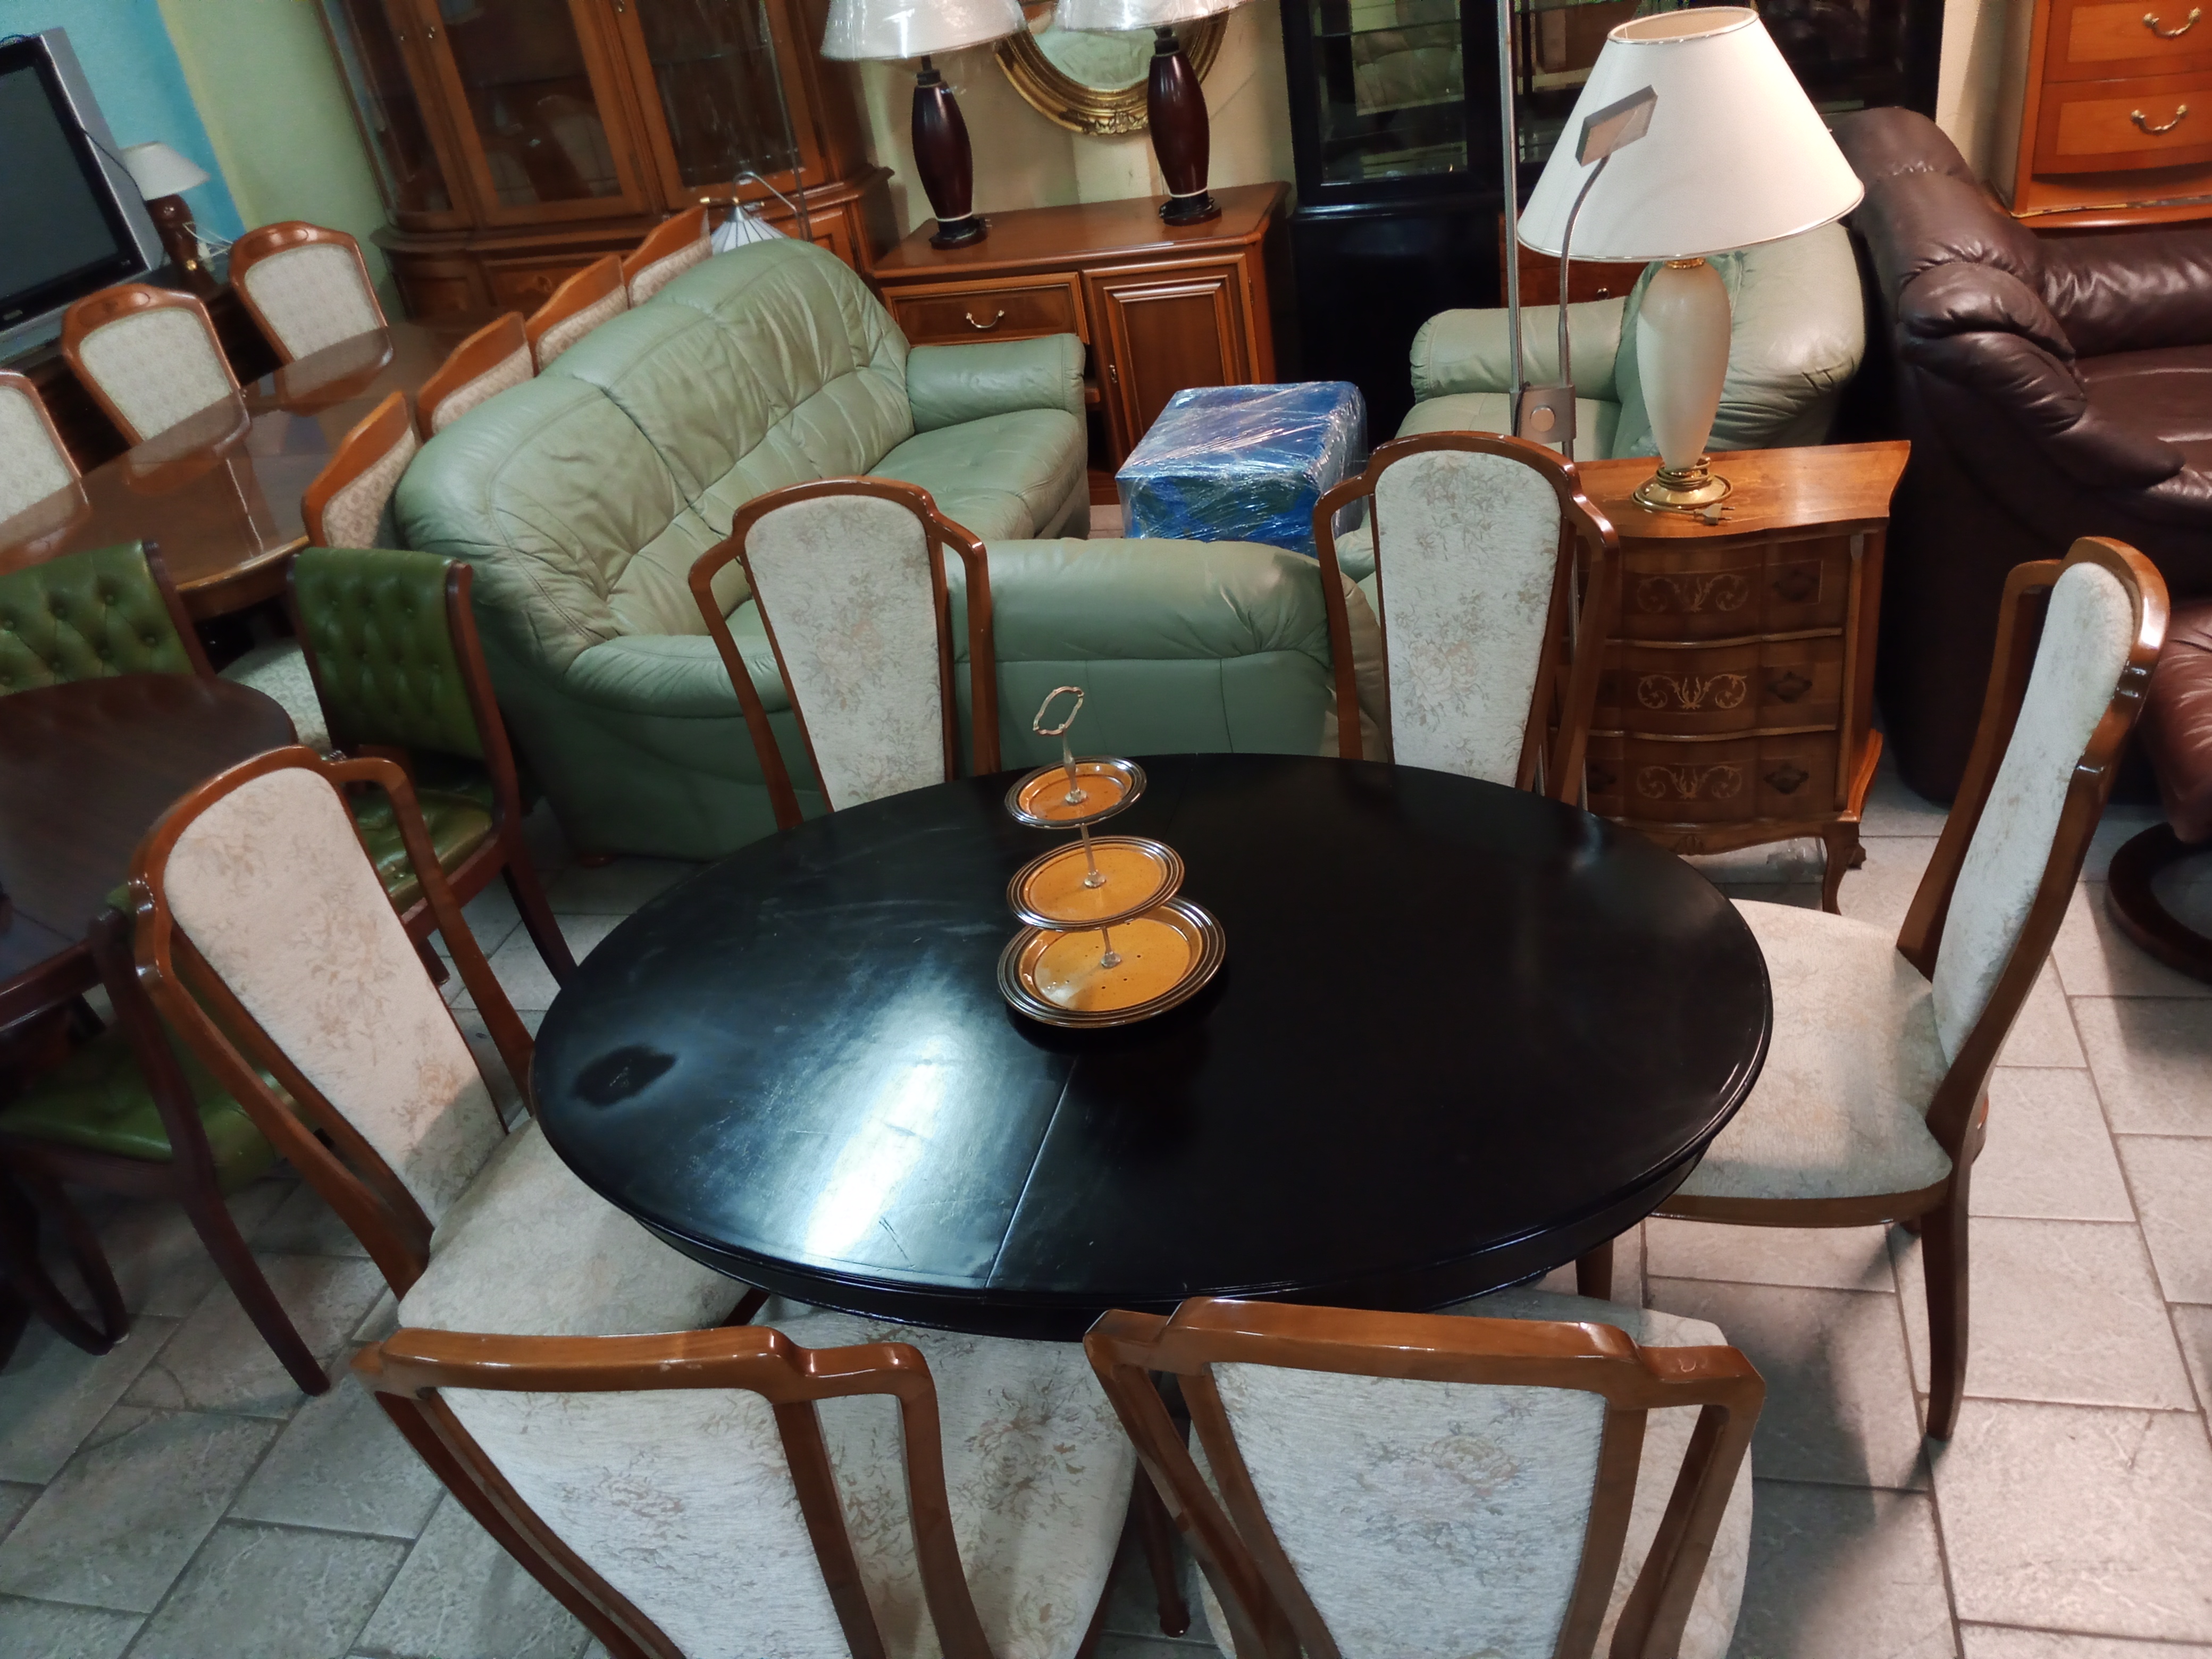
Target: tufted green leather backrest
{"x": 85, "y": 615}
{"x": 375, "y": 619}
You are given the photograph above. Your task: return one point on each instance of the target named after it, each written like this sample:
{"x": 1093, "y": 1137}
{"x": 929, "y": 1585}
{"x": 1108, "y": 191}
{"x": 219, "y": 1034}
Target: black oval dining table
{"x": 1462, "y": 1036}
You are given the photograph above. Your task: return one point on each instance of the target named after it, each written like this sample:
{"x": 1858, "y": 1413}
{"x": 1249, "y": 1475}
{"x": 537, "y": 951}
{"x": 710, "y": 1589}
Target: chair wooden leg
{"x": 211, "y": 1219}
{"x": 1593, "y": 1272}
{"x": 1845, "y": 853}
{"x": 433, "y": 964}
{"x": 1944, "y": 1265}
{"x": 1156, "y": 1535}
{"x": 537, "y": 915}
{"x": 26, "y": 1275}
{"x": 2135, "y": 904}
{"x": 748, "y": 1304}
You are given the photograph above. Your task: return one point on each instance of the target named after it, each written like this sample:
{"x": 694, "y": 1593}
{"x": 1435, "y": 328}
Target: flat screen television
{"x": 71, "y": 221}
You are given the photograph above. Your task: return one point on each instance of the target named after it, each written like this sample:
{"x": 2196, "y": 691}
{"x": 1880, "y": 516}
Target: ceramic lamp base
{"x": 945, "y": 161}
{"x": 1182, "y": 139}
{"x": 1691, "y": 489}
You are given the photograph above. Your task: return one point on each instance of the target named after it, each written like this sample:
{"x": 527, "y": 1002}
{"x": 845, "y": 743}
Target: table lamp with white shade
{"x": 1175, "y": 103}
{"x": 898, "y": 29}
{"x": 1734, "y": 155}
{"x": 162, "y": 177}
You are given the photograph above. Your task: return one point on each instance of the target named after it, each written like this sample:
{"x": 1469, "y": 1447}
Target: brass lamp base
{"x": 1691, "y": 489}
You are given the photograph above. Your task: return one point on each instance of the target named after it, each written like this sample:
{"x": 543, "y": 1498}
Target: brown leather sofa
{"x": 2176, "y": 736}
{"x": 2051, "y": 387}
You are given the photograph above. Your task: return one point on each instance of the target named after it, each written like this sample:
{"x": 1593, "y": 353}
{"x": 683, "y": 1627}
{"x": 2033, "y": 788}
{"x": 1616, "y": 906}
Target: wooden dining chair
{"x": 847, "y": 577}
{"x": 576, "y": 308}
{"x": 1527, "y": 1475}
{"x": 35, "y": 463}
{"x": 674, "y": 246}
{"x": 1496, "y": 586}
{"x": 95, "y": 612}
{"x": 829, "y": 1488}
{"x": 345, "y": 505}
{"x": 305, "y": 287}
{"x": 149, "y": 355}
{"x": 264, "y": 939}
{"x": 1874, "y": 1102}
{"x": 390, "y": 642}
{"x": 494, "y": 358}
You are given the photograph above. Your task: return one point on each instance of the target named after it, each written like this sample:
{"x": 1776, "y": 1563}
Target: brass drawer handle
{"x": 997, "y": 317}
{"x": 2142, "y": 121}
{"x": 2150, "y": 22}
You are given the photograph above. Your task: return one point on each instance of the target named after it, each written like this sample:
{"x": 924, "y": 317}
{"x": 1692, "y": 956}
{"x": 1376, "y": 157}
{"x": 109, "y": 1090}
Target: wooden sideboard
{"x": 2106, "y": 114}
{"x": 1161, "y": 308}
{"x": 1736, "y": 706}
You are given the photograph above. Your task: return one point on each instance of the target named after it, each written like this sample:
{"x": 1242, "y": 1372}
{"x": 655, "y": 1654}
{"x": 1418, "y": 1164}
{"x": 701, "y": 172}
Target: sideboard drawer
{"x": 1737, "y": 589}
{"x": 2104, "y": 39}
{"x": 1656, "y": 780}
{"x": 1757, "y": 686}
{"x": 950, "y": 316}
{"x": 2114, "y": 126}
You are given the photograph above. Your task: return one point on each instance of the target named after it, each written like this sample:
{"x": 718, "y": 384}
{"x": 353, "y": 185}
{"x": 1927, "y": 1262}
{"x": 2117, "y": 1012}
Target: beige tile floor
{"x": 177, "y": 1498}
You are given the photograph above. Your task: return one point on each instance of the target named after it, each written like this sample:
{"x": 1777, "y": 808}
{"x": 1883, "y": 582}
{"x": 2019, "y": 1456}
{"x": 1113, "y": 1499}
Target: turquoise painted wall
{"x": 133, "y": 67}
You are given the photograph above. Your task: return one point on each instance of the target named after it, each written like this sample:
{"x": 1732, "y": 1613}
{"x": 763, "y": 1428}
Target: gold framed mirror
{"x": 1089, "y": 82}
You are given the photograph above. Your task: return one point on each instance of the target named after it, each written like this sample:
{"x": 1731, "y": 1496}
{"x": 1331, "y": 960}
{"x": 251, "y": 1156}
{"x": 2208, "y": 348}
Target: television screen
{"x": 64, "y": 235}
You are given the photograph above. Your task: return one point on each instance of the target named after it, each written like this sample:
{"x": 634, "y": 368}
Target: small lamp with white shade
{"x": 899, "y": 29}
{"x": 1175, "y": 103}
{"x": 162, "y": 177}
{"x": 1734, "y": 155}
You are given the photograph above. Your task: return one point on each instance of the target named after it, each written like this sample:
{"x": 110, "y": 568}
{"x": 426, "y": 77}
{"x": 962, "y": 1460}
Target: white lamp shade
{"x": 159, "y": 171}
{"x": 916, "y": 29}
{"x": 1736, "y": 155}
{"x": 1105, "y": 16}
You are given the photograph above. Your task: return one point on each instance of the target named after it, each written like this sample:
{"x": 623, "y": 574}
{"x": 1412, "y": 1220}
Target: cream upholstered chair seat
{"x": 1419, "y": 1514}
{"x": 645, "y": 1486}
{"x": 1840, "y": 1109}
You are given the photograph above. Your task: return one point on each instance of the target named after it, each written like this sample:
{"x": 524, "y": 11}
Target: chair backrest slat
{"x": 33, "y": 462}
{"x": 306, "y": 286}
{"x": 149, "y": 355}
{"x": 673, "y": 247}
{"x": 344, "y": 506}
{"x": 494, "y": 358}
{"x": 581, "y": 304}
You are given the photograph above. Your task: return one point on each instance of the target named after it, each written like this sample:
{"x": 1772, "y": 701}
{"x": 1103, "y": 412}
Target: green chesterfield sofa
{"x": 583, "y": 497}
{"x": 1799, "y": 333}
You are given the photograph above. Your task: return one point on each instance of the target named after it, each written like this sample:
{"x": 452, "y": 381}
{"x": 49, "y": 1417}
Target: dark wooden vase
{"x": 944, "y": 160}
{"x": 1176, "y": 106}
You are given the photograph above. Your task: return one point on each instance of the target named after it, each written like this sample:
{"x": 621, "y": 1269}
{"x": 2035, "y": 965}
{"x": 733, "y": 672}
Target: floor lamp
{"x": 1734, "y": 155}
{"x": 898, "y": 29}
{"x": 1175, "y": 103}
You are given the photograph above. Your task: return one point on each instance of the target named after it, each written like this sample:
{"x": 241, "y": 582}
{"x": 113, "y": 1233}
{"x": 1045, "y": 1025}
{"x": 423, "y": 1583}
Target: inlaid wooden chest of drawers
{"x": 1736, "y": 706}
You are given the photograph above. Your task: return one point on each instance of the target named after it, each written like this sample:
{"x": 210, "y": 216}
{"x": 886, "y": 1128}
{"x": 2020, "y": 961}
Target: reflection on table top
{"x": 220, "y": 491}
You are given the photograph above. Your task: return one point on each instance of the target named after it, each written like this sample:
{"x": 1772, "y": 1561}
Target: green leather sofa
{"x": 1799, "y": 333}
{"x": 583, "y": 497}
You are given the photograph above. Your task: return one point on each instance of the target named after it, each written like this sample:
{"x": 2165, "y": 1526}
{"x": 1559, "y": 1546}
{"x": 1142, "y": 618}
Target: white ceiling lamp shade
{"x": 893, "y": 29}
{"x": 1108, "y": 16}
{"x": 1736, "y": 155}
{"x": 159, "y": 171}
{"x": 917, "y": 28}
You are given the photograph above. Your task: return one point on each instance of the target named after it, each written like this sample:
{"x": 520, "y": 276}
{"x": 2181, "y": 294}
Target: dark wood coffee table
{"x": 1463, "y": 1036}
{"x": 85, "y": 770}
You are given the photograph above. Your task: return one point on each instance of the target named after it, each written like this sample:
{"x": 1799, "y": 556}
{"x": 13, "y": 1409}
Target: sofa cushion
{"x": 1486, "y": 411}
{"x": 1005, "y": 475}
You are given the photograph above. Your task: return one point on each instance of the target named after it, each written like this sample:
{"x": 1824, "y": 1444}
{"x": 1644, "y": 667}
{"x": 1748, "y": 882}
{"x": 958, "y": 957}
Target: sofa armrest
{"x": 1471, "y": 350}
{"x": 675, "y": 674}
{"x": 1796, "y": 338}
{"x": 948, "y": 384}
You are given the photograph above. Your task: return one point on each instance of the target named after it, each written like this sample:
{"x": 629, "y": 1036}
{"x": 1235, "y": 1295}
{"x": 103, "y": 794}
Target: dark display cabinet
{"x": 1394, "y": 122}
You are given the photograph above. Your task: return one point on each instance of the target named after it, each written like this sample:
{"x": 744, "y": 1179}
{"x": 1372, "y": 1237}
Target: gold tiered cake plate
{"x": 1163, "y": 957}
{"x": 1050, "y": 799}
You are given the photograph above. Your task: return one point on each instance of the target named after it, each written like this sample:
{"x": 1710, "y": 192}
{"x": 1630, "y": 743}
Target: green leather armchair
{"x": 89, "y": 615}
{"x": 1799, "y": 333}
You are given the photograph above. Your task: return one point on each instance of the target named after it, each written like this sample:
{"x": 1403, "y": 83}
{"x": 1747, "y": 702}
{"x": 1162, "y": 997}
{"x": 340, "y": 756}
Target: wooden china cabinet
{"x": 518, "y": 140}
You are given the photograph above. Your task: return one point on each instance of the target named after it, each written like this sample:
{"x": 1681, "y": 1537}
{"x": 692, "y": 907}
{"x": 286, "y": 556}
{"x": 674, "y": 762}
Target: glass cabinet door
{"x": 371, "y": 55}
{"x": 1391, "y": 95}
{"x": 529, "y": 84}
{"x": 721, "y": 98}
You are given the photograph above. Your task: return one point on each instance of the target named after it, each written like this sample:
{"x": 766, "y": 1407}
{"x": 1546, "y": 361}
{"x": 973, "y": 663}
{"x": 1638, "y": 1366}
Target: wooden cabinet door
{"x": 397, "y": 97}
{"x": 536, "y": 96}
{"x": 1158, "y": 328}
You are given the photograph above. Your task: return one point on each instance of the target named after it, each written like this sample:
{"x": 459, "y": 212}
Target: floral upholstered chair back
{"x": 494, "y": 358}
{"x": 2082, "y": 667}
{"x": 306, "y": 287}
{"x": 269, "y": 885}
{"x": 1480, "y": 546}
{"x": 594, "y": 295}
{"x": 675, "y": 246}
{"x": 33, "y": 465}
{"x": 149, "y": 355}
{"x": 347, "y": 503}
{"x": 848, "y": 578}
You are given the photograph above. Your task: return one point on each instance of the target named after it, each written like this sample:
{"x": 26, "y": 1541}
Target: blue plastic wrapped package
{"x": 1244, "y": 463}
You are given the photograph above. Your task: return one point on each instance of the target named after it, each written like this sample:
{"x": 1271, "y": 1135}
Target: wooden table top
{"x": 1463, "y": 1035}
{"x": 1775, "y": 489}
{"x": 221, "y": 490}
{"x": 86, "y": 769}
